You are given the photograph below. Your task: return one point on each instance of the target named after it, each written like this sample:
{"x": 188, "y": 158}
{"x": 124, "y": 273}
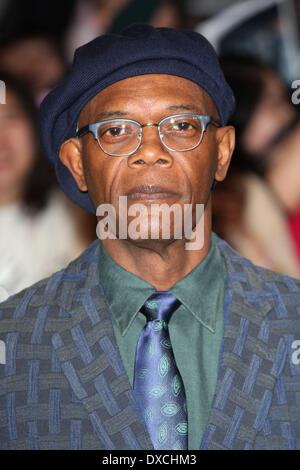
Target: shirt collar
{"x": 199, "y": 291}
{"x": 124, "y": 292}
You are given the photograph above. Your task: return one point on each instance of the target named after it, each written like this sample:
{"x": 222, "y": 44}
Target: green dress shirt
{"x": 196, "y": 327}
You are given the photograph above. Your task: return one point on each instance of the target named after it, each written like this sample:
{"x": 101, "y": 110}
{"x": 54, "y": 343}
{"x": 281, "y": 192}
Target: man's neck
{"x": 160, "y": 263}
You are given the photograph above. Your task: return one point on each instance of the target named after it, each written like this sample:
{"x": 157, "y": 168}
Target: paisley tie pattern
{"x": 157, "y": 382}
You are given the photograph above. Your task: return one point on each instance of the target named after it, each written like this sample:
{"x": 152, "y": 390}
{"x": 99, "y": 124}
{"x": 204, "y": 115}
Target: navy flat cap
{"x": 138, "y": 50}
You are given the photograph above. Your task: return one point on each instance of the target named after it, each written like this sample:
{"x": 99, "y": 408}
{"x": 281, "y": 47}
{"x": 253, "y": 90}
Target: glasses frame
{"x": 93, "y": 128}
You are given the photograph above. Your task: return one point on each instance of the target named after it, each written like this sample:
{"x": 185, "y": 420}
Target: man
{"x": 145, "y": 341}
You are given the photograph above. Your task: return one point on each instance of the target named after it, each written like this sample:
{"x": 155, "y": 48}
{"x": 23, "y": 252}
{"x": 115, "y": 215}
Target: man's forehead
{"x": 173, "y": 93}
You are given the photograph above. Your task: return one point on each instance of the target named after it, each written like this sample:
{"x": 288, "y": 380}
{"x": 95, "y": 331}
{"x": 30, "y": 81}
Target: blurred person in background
{"x": 36, "y": 59}
{"x": 90, "y": 18}
{"x": 94, "y": 17}
{"x": 248, "y": 211}
{"x": 283, "y": 175}
{"x": 39, "y": 233}
{"x": 158, "y": 13}
{"x": 32, "y": 42}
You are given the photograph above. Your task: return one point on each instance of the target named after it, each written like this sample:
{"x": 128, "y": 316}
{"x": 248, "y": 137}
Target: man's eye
{"x": 114, "y": 131}
{"x": 182, "y": 126}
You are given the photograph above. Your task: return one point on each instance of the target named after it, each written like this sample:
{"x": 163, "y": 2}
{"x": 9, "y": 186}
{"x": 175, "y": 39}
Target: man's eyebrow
{"x": 115, "y": 114}
{"x": 190, "y": 107}
{"x": 183, "y": 107}
{"x": 109, "y": 115}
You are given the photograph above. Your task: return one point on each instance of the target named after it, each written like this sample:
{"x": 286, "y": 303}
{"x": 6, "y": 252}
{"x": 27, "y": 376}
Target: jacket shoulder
{"x": 54, "y": 292}
{"x": 253, "y": 284}
{"x": 235, "y": 263}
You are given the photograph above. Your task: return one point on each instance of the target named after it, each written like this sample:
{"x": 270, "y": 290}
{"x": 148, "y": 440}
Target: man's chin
{"x": 151, "y": 244}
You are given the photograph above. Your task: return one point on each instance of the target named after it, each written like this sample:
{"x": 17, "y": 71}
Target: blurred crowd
{"x": 256, "y": 209}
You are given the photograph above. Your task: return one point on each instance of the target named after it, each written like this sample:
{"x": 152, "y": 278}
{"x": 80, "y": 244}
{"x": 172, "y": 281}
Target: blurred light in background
{"x": 268, "y": 29}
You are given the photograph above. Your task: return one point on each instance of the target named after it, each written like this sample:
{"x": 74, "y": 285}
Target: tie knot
{"x": 160, "y": 306}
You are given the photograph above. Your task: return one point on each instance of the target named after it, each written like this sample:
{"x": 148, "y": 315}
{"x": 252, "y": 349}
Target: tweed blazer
{"x": 64, "y": 385}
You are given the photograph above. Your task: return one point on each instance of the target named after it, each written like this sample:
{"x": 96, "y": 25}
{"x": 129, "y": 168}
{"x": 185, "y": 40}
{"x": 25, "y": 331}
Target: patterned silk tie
{"x": 157, "y": 382}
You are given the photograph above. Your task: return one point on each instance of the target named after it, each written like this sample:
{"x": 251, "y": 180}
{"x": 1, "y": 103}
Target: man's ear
{"x": 226, "y": 143}
{"x": 70, "y": 155}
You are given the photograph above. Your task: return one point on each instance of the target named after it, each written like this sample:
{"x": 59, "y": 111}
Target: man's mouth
{"x": 150, "y": 192}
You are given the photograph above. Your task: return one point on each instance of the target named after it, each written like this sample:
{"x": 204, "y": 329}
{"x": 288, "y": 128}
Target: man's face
{"x": 186, "y": 176}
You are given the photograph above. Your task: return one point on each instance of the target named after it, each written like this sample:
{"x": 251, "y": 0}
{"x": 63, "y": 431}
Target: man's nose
{"x": 151, "y": 150}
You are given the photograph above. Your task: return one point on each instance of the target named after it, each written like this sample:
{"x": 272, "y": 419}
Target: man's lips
{"x": 148, "y": 191}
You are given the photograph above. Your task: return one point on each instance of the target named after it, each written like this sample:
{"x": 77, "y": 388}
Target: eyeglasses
{"x": 122, "y": 137}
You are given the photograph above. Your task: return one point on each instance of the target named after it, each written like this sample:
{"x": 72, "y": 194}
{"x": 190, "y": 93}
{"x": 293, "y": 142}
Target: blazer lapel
{"x": 245, "y": 386}
{"x": 90, "y": 359}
